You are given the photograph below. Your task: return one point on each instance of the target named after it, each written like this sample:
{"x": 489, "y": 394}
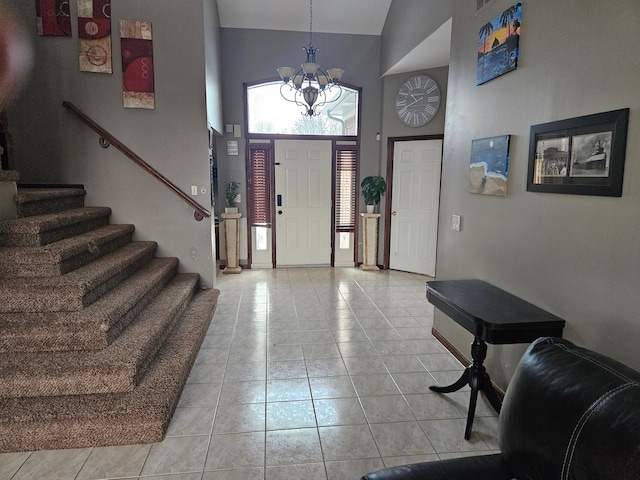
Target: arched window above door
{"x": 269, "y": 113}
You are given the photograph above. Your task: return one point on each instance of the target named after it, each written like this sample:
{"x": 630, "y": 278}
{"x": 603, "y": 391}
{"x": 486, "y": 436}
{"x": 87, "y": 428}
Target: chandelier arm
{"x": 297, "y": 95}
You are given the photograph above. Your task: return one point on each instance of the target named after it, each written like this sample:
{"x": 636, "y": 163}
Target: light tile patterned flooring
{"x": 313, "y": 373}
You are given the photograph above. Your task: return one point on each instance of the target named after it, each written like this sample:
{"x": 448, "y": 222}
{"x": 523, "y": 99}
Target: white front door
{"x": 414, "y": 205}
{"x": 303, "y": 202}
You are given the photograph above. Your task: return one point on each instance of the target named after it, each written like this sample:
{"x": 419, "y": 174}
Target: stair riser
{"x": 49, "y": 206}
{"x": 53, "y": 269}
{"x": 114, "y": 329}
{"x": 43, "y": 336}
{"x": 115, "y": 280}
{"x": 56, "y": 380}
{"x": 54, "y": 435}
{"x": 70, "y": 298}
{"x": 140, "y": 416}
{"x": 50, "y": 236}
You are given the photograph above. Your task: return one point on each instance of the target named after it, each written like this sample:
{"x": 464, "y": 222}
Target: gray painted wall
{"x": 393, "y": 127}
{"x": 408, "y": 23}
{"x": 212, "y": 64}
{"x": 51, "y": 146}
{"x": 576, "y": 256}
{"x": 254, "y": 55}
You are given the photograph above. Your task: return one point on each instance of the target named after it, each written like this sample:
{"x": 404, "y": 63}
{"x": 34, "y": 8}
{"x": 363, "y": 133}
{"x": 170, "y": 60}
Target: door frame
{"x": 268, "y": 142}
{"x": 391, "y": 141}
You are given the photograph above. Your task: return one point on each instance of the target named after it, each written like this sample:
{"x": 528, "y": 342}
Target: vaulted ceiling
{"x": 361, "y": 17}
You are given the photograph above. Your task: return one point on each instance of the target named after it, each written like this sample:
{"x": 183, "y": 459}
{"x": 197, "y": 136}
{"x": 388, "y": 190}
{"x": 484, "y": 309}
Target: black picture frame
{"x": 579, "y": 156}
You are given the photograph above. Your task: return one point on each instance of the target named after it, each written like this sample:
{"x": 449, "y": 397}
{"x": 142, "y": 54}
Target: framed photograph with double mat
{"x": 581, "y": 156}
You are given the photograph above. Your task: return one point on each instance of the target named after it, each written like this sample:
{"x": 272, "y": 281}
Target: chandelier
{"x": 308, "y": 87}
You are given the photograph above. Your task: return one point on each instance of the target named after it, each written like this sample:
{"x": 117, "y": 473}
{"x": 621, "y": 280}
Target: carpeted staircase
{"x": 97, "y": 335}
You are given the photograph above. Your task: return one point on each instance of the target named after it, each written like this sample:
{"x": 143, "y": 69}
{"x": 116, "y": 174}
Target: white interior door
{"x": 414, "y": 205}
{"x": 303, "y": 202}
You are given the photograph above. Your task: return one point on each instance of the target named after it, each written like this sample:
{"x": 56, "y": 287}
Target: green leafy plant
{"x": 372, "y": 188}
{"x": 231, "y": 190}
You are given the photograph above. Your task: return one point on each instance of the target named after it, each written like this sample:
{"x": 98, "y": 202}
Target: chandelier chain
{"x": 310, "y": 22}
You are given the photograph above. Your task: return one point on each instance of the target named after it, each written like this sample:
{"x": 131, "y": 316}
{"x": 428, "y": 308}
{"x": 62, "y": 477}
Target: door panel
{"x": 414, "y": 205}
{"x": 303, "y": 178}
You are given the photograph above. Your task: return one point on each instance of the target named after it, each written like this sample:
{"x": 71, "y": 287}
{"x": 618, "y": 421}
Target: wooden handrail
{"x": 107, "y": 139}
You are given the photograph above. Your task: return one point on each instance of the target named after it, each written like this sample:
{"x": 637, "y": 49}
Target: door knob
{"x": 394, "y": 213}
{"x": 279, "y": 212}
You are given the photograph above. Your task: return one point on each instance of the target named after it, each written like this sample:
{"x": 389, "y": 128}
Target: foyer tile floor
{"x": 313, "y": 373}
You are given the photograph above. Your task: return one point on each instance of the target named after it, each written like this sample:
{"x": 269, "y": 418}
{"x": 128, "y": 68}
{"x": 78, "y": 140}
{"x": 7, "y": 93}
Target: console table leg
{"x": 463, "y": 381}
{"x": 476, "y": 376}
{"x": 473, "y": 400}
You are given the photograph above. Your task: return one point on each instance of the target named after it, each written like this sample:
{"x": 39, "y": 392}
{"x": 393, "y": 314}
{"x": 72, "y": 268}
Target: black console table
{"x": 491, "y": 315}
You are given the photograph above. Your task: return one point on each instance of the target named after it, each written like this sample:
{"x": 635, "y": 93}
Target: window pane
{"x": 269, "y": 113}
{"x": 345, "y": 240}
{"x": 261, "y": 238}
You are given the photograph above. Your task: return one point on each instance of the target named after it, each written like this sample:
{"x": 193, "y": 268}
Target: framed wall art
{"x": 582, "y": 155}
{"x": 489, "y": 165}
{"x": 498, "y": 45}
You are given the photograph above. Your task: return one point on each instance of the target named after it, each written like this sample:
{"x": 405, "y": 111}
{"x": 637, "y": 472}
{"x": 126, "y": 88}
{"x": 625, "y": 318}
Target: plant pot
{"x": 230, "y": 209}
{"x": 370, "y": 208}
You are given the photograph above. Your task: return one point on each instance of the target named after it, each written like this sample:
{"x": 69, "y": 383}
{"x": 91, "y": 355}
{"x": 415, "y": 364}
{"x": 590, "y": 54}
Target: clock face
{"x": 418, "y": 101}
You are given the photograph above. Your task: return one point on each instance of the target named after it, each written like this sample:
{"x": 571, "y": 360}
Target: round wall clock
{"x": 417, "y": 101}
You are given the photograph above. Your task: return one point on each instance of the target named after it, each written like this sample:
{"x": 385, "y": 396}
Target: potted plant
{"x": 372, "y": 188}
{"x": 230, "y": 193}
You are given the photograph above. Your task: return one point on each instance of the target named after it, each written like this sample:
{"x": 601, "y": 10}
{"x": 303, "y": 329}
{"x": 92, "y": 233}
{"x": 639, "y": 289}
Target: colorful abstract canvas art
{"x": 138, "y": 89}
{"x": 94, "y": 36}
{"x": 53, "y": 17}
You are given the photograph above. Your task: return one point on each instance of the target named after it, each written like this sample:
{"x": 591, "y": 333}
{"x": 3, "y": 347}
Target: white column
{"x": 232, "y": 241}
{"x": 370, "y": 240}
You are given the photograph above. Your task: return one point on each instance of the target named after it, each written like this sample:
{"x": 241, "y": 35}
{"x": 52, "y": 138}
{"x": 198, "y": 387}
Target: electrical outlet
{"x": 455, "y": 222}
{"x": 194, "y": 190}
{"x": 203, "y": 190}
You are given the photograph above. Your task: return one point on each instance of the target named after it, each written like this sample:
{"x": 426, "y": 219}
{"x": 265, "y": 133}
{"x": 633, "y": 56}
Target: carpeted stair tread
{"x": 39, "y": 230}
{"x": 76, "y": 289}
{"x": 92, "y": 328}
{"x": 65, "y": 255}
{"x": 36, "y": 194}
{"x": 116, "y": 368}
{"x": 39, "y": 201}
{"x": 139, "y": 416}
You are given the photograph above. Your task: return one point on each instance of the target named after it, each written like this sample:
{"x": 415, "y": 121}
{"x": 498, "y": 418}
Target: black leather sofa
{"x": 568, "y": 414}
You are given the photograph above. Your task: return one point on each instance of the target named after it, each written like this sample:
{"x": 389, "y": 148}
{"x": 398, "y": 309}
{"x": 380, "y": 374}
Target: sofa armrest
{"x": 482, "y": 467}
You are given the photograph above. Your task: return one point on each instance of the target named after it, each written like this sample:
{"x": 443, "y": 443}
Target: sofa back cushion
{"x": 570, "y": 413}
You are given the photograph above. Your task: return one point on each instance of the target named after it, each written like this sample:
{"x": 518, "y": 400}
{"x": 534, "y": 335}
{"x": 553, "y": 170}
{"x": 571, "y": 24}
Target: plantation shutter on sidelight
{"x": 260, "y": 186}
{"x": 346, "y": 174}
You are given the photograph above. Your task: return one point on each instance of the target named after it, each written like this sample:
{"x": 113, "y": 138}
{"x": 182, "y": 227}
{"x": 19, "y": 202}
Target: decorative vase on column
{"x": 232, "y": 241}
{"x": 370, "y": 240}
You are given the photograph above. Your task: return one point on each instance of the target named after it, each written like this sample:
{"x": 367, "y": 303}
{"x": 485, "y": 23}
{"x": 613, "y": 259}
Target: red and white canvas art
{"x": 136, "y": 43}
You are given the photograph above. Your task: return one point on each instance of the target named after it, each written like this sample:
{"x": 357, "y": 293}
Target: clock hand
{"x": 415, "y": 100}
